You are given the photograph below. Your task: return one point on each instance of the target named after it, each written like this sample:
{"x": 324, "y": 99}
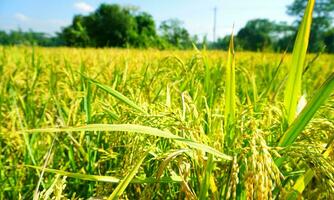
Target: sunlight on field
{"x": 178, "y": 99}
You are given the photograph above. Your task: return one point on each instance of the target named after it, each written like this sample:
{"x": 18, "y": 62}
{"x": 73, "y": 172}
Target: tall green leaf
{"x": 205, "y": 183}
{"x": 116, "y": 94}
{"x": 294, "y": 83}
{"x": 134, "y": 129}
{"x": 230, "y": 92}
{"x": 108, "y": 179}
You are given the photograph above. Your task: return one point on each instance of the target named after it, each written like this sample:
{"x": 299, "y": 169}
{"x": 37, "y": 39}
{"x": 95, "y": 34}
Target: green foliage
{"x": 173, "y": 32}
{"x": 123, "y": 184}
{"x": 76, "y": 35}
{"x": 293, "y": 88}
{"x": 308, "y": 112}
{"x": 230, "y": 95}
{"x": 109, "y": 25}
{"x": 151, "y": 125}
{"x": 194, "y": 161}
{"x": 322, "y": 8}
{"x": 263, "y": 35}
{"x": 18, "y": 37}
{"x": 223, "y": 43}
{"x": 116, "y": 26}
{"x": 322, "y": 20}
{"x": 113, "y": 25}
{"x": 259, "y": 35}
{"x": 118, "y": 95}
{"x": 146, "y": 30}
{"x": 135, "y": 129}
{"x": 329, "y": 40}
{"x": 255, "y": 36}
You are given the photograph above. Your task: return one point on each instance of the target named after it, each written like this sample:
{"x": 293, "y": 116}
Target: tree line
{"x": 262, "y": 34}
{"x": 112, "y": 25}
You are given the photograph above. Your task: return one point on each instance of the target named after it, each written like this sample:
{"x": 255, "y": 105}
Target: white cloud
{"x": 21, "y": 17}
{"x": 83, "y": 7}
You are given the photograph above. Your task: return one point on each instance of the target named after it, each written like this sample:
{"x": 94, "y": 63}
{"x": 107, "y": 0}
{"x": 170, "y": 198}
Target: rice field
{"x": 182, "y": 152}
{"x": 148, "y": 124}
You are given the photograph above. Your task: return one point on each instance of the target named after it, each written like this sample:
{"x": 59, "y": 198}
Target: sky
{"x": 197, "y": 15}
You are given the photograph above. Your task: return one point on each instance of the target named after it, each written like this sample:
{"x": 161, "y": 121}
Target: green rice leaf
{"x": 108, "y": 179}
{"x": 116, "y": 94}
{"x": 134, "y": 129}
{"x": 308, "y": 112}
{"x": 294, "y": 83}
{"x": 230, "y": 93}
{"x": 207, "y": 175}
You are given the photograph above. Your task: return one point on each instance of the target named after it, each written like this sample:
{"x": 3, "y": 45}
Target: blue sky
{"x": 50, "y": 15}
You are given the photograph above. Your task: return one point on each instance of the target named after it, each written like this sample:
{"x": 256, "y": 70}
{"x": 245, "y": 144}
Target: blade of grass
{"x": 108, "y": 179}
{"x": 137, "y": 129}
{"x": 36, "y": 192}
{"x": 207, "y": 173}
{"x": 116, "y": 94}
{"x": 168, "y": 97}
{"x": 22, "y": 125}
{"x": 205, "y": 184}
{"x": 230, "y": 93}
{"x": 87, "y": 100}
{"x": 294, "y": 83}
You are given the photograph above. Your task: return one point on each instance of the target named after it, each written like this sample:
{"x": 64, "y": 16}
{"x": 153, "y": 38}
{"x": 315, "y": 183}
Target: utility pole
{"x": 214, "y": 23}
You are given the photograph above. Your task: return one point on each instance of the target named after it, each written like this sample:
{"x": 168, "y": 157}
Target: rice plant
{"x": 147, "y": 124}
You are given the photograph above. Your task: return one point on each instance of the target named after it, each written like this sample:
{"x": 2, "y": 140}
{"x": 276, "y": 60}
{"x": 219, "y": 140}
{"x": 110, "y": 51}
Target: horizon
{"x": 51, "y": 17}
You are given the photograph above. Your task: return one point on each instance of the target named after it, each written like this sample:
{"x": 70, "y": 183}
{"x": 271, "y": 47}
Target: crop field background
{"x": 181, "y": 92}
{"x": 107, "y": 123}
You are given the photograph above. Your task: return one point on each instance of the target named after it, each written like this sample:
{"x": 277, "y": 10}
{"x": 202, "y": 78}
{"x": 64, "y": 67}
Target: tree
{"x": 146, "y": 30}
{"x": 175, "y": 34}
{"x": 111, "y": 25}
{"x": 262, "y": 34}
{"x": 145, "y": 24}
{"x": 76, "y": 34}
{"x": 223, "y": 43}
{"x": 256, "y": 35}
{"x": 329, "y": 40}
{"x": 19, "y": 37}
{"x": 4, "y": 38}
{"x": 323, "y": 9}
{"x": 322, "y": 20}
{"x": 283, "y": 37}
